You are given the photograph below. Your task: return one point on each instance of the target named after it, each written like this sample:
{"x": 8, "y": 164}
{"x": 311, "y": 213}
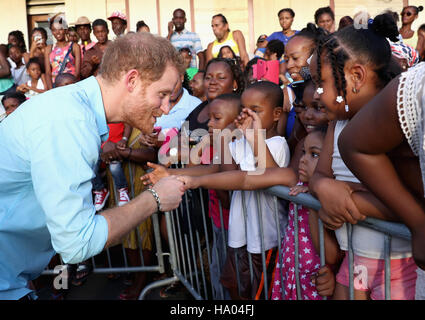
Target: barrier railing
{"x": 185, "y": 267}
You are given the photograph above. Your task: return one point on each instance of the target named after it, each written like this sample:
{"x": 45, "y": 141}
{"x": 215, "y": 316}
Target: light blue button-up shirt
{"x": 48, "y": 148}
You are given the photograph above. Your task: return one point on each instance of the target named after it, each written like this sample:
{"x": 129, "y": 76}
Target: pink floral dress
{"x": 284, "y": 286}
{"x": 56, "y": 58}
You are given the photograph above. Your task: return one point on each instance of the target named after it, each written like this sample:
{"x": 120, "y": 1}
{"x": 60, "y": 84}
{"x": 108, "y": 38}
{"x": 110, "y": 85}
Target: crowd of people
{"x": 333, "y": 109}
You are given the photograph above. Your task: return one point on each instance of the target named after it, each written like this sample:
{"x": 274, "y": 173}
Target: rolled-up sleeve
{"x": 62, "y": 156}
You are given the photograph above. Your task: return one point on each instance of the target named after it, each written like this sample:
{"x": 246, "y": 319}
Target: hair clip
{"x": 339, "y": 99}
{"x": 319, "y": 90}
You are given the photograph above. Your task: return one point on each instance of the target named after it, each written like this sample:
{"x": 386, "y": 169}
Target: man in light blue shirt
{"x": 48, "y": 149}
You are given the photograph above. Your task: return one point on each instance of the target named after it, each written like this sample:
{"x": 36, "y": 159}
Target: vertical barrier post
{"x": 263, "y": 254}
{"x": 279, "y": 240}
{"x": 350, "y": 259}
{"x": 322, "y": 247}
{"x": 387, "y": 244}
{"x": 297, "y": 263}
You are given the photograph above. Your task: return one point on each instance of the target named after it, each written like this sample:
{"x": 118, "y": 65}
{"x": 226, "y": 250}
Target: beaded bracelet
{"x": 155, "y": 195}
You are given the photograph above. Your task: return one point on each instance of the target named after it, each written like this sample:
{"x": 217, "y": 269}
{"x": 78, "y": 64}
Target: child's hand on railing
{"x": 297, "y": 190}
{"x": 324, "y": 280}
{"x": 154, "y": 176}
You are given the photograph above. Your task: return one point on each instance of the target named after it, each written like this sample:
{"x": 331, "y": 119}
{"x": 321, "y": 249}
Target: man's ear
{"x": 277, "y": 112}
{"x": 132, "y": 77}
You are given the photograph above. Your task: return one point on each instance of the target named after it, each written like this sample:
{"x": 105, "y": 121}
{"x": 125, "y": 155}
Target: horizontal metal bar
{"x": 307, "y": 200}
{"x": 111, "y": 270}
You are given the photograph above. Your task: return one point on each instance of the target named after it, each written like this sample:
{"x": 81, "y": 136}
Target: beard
{"x": 139, "y": 115}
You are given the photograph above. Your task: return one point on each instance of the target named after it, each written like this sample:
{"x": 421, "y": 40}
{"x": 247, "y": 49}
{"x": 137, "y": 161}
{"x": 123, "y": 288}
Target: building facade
{"x": 252, "y": 17}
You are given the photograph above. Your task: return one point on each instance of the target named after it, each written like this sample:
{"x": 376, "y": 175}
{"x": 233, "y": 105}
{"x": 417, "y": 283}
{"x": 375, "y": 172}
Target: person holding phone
{"x": 38, "y": 45}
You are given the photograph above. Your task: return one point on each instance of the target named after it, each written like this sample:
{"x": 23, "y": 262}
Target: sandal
{"x": 81, "y": 274}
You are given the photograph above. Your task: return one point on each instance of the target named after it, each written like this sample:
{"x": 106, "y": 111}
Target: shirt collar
{"x": 183, "y": 32}
{"x": 94, "y": 97}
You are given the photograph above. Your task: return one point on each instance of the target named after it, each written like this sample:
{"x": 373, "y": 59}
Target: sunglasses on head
{"x": 408, "y": 13}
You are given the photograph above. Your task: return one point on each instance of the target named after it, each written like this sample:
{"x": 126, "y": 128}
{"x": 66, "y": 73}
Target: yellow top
{"x": 228, "y": 42}
{"x": 413, "y": 41}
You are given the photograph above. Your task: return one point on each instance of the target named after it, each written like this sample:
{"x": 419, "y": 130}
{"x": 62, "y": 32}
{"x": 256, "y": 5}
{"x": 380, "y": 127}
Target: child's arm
{"x": 43, "y": 79}
{"x": 5, "y": 67}
{"x": 281, "y": 124}
{"x": 324, "y": 280}
{"x": 77, "y": 54}
{"x": 125, "y": 136}
{"x": 139, "y": 155}
{"x": 336, "y": 210}
{"x": 48, "y": 68}
{"x": 248, "y": 119}
{"x": 23, "y": 88}
{"x": 87, "y": 66}
{"x": 160, "y": 172}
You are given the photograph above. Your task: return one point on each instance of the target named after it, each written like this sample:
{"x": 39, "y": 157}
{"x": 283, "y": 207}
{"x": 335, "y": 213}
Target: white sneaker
{"x": 123, "y": 196}
{"x": 100, "y": 198}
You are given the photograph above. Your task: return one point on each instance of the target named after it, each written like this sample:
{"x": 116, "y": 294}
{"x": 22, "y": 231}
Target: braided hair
{"x": 367, "y": 46}
{"x": 236, "y": 72}
{"x": 20, "y": 37}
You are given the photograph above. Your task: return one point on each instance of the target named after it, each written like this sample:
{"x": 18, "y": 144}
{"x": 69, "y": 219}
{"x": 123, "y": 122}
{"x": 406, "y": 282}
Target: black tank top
{"x": 193, "y": 118}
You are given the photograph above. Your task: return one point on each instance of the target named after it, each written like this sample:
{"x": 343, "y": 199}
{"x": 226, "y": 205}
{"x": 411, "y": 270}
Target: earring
{"x": 319, "y": 90}
{"x": 346, "y": 108}
{"x": 354, "y": 90}
{"x": 339, "y": 99}
{"x": 234, "y": 89}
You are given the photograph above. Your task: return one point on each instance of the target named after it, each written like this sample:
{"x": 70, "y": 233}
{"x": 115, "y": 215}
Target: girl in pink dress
{"x": 315, "y": 281}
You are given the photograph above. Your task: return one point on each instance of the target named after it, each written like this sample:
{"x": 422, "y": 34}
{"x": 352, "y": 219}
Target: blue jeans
{"x": 117, "y": 175}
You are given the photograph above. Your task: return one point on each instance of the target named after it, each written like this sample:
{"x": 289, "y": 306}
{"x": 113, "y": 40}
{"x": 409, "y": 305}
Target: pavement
{"x": 99, "y": 287}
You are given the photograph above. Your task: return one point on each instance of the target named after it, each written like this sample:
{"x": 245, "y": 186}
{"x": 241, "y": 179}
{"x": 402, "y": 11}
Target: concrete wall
{"x": 13, "y": 17}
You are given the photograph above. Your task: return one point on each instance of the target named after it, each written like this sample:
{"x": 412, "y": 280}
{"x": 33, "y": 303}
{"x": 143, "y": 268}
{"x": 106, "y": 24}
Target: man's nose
{"x": 165, "y": 106}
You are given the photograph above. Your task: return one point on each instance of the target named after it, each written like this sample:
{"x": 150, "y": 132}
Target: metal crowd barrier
{"x": 184, "y": 257}
{"x": 108, "y": 267}
{"x": 190, "y": 250}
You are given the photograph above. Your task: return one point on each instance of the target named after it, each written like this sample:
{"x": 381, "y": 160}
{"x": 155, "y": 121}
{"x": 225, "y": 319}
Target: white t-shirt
{"x": 19, "y": 75}
{"x": 242, "y": 154}
{"x": 367, "y": 242}
{"x": 39, "y": 86}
